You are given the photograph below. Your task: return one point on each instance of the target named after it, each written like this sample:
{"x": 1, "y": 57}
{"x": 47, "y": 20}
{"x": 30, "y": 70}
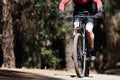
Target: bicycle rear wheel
{"x": 78, "y": 57}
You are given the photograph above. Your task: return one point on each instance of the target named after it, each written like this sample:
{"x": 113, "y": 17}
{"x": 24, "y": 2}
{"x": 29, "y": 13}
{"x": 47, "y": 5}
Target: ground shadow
{"x": 17, "y": 75}
{"x": 113, "y": 71}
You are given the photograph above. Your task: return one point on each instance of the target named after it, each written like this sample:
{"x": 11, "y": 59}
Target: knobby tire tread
{"x": 79, "y": 73}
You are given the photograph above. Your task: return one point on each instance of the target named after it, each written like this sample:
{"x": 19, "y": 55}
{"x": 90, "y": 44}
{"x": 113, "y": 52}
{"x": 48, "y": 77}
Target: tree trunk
{"x": 69, "y": 40}
{"x": 7, "y": 46}
{"x": 112, "y": 19}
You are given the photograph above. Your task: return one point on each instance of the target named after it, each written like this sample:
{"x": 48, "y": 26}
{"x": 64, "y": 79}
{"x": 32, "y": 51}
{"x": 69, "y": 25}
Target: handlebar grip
{"x": 67, "y": 18}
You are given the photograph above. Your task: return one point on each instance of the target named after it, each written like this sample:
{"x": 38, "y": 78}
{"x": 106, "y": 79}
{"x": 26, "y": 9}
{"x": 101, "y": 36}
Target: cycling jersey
{"x": 81, "y": 5}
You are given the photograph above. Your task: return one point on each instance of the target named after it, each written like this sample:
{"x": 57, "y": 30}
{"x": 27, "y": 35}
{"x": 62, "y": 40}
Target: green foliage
{"x": 49, "y": 23}
{"x": 40, "y": 28}
{"x": 112, "y": 6}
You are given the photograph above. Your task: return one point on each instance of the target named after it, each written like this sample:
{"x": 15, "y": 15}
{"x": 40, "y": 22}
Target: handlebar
{"x": 81, "y": 16}
{"x": 96, "y": 16}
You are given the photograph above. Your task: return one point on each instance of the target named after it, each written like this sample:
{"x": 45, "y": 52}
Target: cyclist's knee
{"x": 76, "y": 24}
{"x": 89, "y": 27}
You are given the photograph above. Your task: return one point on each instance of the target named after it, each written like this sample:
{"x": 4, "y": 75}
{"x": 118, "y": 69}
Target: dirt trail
{"x": 38, "y": 74}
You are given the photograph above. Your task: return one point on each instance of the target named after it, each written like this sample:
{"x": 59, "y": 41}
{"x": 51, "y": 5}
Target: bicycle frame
{"x": 80, "y": 32}
{"x": 81, "y": 29}
{"x": 80, "y": 59}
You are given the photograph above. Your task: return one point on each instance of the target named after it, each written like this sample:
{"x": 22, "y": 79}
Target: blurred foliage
{"x": 37, "y": 29}
{"x": 39, "y": 35}
{"x": 113, "y": 6}
{"x": 108, "y": 37}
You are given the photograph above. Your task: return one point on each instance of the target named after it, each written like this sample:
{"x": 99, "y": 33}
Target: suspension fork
{"x": 83, "y": 38}
{"x": 83, "y": 46}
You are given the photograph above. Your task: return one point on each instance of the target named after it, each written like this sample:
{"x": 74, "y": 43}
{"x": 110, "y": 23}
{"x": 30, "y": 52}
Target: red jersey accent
{"x": 64, "y": 2}
{"x": 81, "y": 1}
{"x": 99, "y": 3}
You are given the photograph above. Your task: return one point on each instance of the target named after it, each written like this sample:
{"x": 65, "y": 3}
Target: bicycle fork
{"x": 83, "y": 47}
{"x": 83, "y": 38}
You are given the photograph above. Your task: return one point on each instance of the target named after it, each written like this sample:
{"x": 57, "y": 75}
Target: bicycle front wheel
{"x": 78, "y": 57}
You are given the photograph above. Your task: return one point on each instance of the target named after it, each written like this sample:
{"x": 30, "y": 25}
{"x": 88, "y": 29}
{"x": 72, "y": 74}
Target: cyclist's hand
{"x": 68, "y": 18}
{"x": 98, "y": 15}
{"x": 61, "y": 15}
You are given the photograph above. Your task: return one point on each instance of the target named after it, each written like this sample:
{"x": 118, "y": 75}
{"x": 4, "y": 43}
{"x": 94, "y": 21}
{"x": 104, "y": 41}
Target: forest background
{"x": 32, "y": 36}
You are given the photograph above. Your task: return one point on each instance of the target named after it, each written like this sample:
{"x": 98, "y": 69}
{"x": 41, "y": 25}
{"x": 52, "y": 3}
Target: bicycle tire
{"x": 87, "y": 69}
{"x": 79, "y": 62}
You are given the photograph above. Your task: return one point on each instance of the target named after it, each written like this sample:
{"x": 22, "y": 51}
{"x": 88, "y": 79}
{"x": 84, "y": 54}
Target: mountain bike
{"x": 80, "y": 56}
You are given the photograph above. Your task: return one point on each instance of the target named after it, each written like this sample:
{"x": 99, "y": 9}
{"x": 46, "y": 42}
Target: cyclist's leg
{"x": 90, "y": 34}
{"x": 76, "y": 24}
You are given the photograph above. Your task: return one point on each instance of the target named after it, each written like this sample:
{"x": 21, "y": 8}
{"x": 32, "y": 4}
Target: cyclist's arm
{"x": 99, "y": 3}
{"x": 62, "y": 4}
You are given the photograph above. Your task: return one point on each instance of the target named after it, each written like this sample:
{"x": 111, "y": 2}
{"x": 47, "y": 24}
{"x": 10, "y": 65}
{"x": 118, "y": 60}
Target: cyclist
{"x": 80, "y": 6}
